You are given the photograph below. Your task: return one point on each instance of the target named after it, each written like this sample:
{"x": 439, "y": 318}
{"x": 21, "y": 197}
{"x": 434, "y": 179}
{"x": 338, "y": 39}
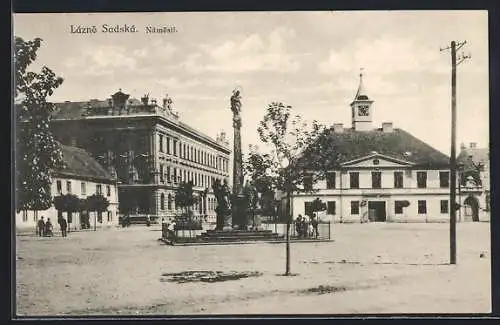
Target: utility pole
{"x": 454, "y": 46}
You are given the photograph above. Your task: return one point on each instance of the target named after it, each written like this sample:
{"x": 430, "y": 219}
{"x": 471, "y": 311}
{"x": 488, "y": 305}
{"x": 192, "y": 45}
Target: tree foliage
{"x": 69, "y": 203}
{"x": 287, "y": 137}
{"x": 97, "y": 203}
{"x": 184, "y": 195}
{"x": 37, "y": 153}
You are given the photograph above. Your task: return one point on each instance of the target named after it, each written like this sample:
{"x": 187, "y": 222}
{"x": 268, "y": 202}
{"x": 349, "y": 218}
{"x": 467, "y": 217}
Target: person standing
{"x": 40, "y": 227}
{"x": 64, "y": 227}
{"x": 48, "y": 228}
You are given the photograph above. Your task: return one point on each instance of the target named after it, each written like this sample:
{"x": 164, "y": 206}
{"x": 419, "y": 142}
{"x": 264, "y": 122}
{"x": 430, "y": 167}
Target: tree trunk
{"x": 287, "y": 270}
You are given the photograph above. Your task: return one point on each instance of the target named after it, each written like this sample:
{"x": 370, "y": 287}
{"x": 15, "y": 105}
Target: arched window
{"x": 162, "y": 201}
{"x": 169, "y": 202}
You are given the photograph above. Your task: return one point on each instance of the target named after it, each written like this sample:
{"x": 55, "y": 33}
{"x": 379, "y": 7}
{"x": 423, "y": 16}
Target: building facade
{"x": 474, "y": 187}
{"x": 82, "y": 176}
{"x": 148, "y": 148}
{"x": 378, "y": 174}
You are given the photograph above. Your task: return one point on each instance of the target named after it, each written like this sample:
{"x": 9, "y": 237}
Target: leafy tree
{"x": 69, "y": 203}
{"x": 97, "y": 203}
{"x": 317, "y": 206}
{"x": 185, "y": 199}
{"x": 287, "y": 138}
{"x": 38, "y": 154}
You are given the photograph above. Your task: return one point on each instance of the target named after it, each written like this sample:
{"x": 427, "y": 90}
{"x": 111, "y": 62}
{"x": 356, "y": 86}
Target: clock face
{"x": 363, "y": 110}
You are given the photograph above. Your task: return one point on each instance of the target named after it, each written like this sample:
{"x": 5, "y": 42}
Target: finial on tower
{"x": 361, "y": 93}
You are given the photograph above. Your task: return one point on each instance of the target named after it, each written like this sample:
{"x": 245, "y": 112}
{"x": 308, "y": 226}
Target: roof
{"x": 471, "y": 158}
{"x": 78, "y": 110}
{"x": 349, "y": 145}
{"x": 79, "y": 164}
{"x": 361, "y": 93}
{"x": 478, "y": 155}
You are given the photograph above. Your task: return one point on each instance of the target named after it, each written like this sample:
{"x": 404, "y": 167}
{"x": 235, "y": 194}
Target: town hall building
{"x": 378, "y": 173}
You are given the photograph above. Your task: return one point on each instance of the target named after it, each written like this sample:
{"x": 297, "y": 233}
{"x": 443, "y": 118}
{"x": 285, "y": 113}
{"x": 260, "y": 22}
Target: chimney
{"x": 145, "y": 99}
{"x": 338, "y": 127}
{"x": 472, "y": 145}
{"x": 387, "y": 127}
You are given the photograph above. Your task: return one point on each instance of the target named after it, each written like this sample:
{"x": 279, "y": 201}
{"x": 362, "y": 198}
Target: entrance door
{"x": 378, "y": 210}
{"x": 472, "y": 208}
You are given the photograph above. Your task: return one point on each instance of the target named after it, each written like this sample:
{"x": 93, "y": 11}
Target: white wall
{"x": 26, "y": 220}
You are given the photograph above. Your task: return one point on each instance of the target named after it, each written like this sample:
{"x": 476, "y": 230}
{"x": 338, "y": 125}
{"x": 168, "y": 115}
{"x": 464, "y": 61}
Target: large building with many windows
{"x": 148, "y": 148}
{"x": 378, "y": 174}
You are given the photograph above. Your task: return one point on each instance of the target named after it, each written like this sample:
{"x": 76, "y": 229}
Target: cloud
{"x": 382, "y": 56}
{"x": 253, "y": 53}
{"x": 107, "y": 59}
{"x": 174, "y": 83}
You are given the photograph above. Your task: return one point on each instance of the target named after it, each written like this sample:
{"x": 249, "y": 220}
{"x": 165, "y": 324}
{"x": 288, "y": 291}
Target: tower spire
{"x": 361, "y": 93}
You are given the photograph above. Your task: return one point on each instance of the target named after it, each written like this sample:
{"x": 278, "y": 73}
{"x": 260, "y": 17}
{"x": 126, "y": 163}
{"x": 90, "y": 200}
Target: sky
{"x": 309, "y": 60}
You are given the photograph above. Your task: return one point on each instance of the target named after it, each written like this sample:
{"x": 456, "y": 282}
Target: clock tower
{"x": 361, "y": 108}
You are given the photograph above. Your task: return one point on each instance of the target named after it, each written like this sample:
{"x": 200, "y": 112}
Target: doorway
{"x": 376, "y": 211}
{"x": 472, "y": 208}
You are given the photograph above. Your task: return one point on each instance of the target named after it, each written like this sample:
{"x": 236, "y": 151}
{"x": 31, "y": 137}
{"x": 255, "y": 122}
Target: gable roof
{"x": 350, "y": 145}
{"x": 79, "y": 164}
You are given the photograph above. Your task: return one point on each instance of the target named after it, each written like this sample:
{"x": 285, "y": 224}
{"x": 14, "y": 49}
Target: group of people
{"x": 44, "y": 228}
{"x": 305, "y": 228}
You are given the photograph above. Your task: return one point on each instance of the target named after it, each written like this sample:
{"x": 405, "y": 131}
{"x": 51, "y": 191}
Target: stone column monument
{"x": 238, "y": 213}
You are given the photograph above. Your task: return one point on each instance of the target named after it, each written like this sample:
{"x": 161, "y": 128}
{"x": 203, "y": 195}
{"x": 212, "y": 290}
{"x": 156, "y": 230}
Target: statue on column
{"x": 238, "y": 205}
{"x": 236, "y": 108}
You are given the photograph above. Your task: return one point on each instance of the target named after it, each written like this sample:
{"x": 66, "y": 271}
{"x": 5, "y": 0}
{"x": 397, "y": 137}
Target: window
{"x": 25, "y": 215}
{"x": 59, "y": 187}
{"x": 83, "y": 188}
{"x": 110, "y": 216}
{"x": 108, "y": 190}
{"x": 68, "y": 187}
{"x": 191, "y": 155}
{"x": 169, "y": 201}
{"x": 161, "y": 143}
{"x": 98, "y": 189}
{"x": 422, "y": 207}
{"x": 398, "y": 179}
{"x": 444, "y": 179}
{"x": 308, "y": 182}
{"x": 444, "y": 206}
{"x": 354, "y": 207}
{"x": 184, "y": 176}
{"x": 421, "y": 179}
{"x": 184, "y": 150}
{"x": 175, "y": 175}
{"x": 168, "y": 174}
{"x": 162, "y": 201}
{"x": 308, "y": 208}
{"x": 330, "y": 180}
{"x": 376, "y": 179}
{"x": 398, "y": 207}
{"x": 168, "y": 145}
{"x": 354, "y": 180}
{"x": 175, "y": 147}
{"x": 161, "y": 174}
{"x": 330, "y": 207}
